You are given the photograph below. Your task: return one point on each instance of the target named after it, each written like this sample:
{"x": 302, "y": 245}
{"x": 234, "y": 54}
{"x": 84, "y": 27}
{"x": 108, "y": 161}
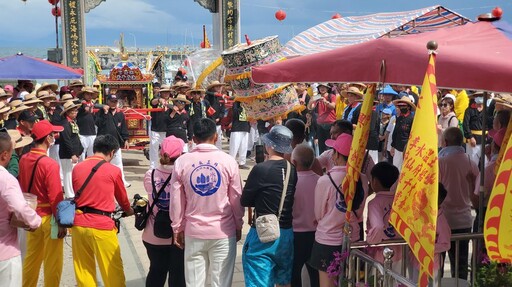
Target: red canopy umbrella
{"x": 475, "y": 56}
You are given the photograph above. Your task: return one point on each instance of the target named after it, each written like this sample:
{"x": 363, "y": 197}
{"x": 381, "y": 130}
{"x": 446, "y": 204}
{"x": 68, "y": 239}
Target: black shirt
{"x": 264, "y": 187}
{"x": 373, "y": 137}
{"x": 402, "y": 131}
{"x": 239, "y": 123}
{"x": 112, "y": 124}
{"x": 70, "y": 144}
{"x": 158, "y": 119}
{"x": 215, "y": 104}
{"x": 86, "y": 119}
{"x": 177, "y": 125}
{"x": 473, "y": 121}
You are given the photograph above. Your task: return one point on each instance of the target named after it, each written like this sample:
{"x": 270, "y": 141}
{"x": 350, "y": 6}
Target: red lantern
{"x": 53, "y": 2}
{"x": 202, "y": 44}
{"x": 497, "y": 12}
{"x": 280, "y": 15}
{"x": 56, "y": 12}
{"x": 336, "y": 16}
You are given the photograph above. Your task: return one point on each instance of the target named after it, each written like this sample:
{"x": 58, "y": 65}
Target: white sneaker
{"x": 126, "y": 185}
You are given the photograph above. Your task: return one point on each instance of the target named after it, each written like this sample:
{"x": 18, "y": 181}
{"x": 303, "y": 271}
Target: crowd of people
{"x": 53, "y": 143}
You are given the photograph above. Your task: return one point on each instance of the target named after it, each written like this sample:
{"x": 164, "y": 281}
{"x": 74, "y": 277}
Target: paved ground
{"x": 135, "y": 260}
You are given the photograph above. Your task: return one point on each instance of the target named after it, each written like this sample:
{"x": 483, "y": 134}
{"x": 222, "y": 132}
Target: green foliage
{"x": 493, "y": 274}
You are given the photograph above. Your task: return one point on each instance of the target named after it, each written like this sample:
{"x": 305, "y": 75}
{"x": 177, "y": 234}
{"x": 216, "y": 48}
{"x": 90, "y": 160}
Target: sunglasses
{"x": 444, "y": 105}
{"x": 180, "y": 102}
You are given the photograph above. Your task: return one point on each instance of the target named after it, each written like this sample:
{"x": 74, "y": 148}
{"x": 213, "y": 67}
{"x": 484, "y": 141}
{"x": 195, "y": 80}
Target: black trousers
{"x": 165, "y": 262}
{"x": 463, "y": 254}
{"x": 323, "y": 133}
{"x": 302, "y": 246}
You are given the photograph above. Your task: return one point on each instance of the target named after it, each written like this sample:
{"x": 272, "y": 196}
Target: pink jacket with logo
{"x": 328, "y": 211}
{"x": 205, "y": 194}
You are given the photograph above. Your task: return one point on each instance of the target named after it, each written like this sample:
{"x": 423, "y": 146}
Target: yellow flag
{"x": 206, "y": 41}
{"x": 357, "y": 150}
{"x": 497, "y": 224}
{"x": 506, "y": 139}
{"x": 414, "y": 212}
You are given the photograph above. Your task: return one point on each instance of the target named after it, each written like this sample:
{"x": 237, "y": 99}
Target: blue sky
{"x": 150, "y": 23}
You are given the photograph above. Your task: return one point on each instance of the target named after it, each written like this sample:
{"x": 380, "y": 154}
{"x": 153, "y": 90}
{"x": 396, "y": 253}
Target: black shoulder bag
{"x": 33, "y": 173}
{"x": 66, "y": 208}
{"x": 142, "y": 216}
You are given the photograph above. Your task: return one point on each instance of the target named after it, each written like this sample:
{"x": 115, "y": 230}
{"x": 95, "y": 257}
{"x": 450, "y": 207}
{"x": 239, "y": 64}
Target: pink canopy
{"x": 476, "y": 56}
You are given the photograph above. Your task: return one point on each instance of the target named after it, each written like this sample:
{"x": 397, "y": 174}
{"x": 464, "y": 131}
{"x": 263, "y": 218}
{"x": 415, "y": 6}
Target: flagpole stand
{"x": 345, "y": 249}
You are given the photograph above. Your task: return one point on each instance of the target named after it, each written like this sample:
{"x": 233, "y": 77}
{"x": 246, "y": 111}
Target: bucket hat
{"x": 279, "y": 139}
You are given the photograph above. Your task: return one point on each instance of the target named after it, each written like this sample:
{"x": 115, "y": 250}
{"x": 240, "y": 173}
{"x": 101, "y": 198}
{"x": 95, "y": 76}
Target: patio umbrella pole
{"x": 482, "y": 176}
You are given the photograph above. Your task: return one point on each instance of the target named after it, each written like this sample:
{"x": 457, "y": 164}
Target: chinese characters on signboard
{"x": 230, "y": 23}
{"x": 72, "y": 25}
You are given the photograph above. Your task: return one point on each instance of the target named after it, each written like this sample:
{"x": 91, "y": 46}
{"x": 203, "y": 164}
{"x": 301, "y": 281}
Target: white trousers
{"x": 87, "y": 143}
{"x": 118, "y": 161}
{"x": 67, "y": 169}
{"x": 238, "y": 144}
{"x": 53, "y": 152}
{"x": 374, "y": 154}
{"x": 10, "y": 272}
{"x": 216, "y": 256}
{"x": 218, "y": 143}
{"x": 253, "y": 137}
{"x": 156, "y": 138}
{"x": 398, "y": 159}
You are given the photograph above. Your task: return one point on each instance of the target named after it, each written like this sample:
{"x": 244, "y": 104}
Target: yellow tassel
{"x": 208, "y": 71}
{"x": 232, "y": 77}
{"x": 262, "y": 95}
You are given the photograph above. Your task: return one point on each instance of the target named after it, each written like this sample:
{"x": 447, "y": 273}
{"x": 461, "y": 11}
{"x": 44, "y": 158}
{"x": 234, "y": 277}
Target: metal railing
{"x": 382, "y": 273}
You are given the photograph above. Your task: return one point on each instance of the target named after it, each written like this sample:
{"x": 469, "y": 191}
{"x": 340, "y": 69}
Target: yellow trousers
{"x": 41, "y": 248}
{"x": 90, "y": 245}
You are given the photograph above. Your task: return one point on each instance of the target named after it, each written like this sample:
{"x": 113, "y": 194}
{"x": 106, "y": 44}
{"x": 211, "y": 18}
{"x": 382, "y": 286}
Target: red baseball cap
{"x": 44, "y": 128}
{"x": 341, "y": 144}
{"x": 172, "y": 146}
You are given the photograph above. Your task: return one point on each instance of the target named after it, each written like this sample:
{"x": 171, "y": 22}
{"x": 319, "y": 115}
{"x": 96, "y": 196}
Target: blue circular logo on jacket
{"x": 205, "y": 180}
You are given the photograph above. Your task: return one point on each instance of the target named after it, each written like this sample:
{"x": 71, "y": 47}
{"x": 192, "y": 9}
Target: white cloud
{"x": 22, "y": 22}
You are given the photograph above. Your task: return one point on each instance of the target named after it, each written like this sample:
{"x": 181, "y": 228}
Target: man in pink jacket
{"x": 12, "y": 204}
{"x": 205, "y": 208}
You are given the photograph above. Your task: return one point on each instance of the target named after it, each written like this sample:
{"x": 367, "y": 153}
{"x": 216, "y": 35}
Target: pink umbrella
{"x": 475, "y": 56}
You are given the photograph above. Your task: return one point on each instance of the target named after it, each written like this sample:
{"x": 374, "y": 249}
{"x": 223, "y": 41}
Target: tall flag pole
{"x": 497, "y": 225}
{"x": 355, "y": 163}
{"x": 206, "y": 41}
{"x": 414, "y": 212}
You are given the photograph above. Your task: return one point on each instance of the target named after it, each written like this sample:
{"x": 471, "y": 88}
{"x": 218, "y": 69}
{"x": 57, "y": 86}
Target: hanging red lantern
{"x": 336, "y": 16}
{"x": 53, "y": 2}
{"x": 280, "y": 15}
{"x": 202, "y": 44}
{"x": 56, "y": 12}
{"x": 497, "y": 12}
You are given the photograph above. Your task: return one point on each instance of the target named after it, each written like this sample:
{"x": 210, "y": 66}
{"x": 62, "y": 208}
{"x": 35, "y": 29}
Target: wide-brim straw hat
{"x": 17, "y": 106}
{"x": 323, "y": 84}
{"x": 3, "y": 94}
{"x": 214, "y": 84}
{"x": 405, "y": 100}
{"x": 68, "y": 97}
{"x": 45, "y": 86}
{"x": 76, "y": 83}
{"x": 352, "y": 90}
{"x": 504, "y": 100}
{"x": 4, "y": 108}
{"x": 89, "y": 90}
{"x": 476, "y": 94}
{"x": 69, "y": 105}
{"x": 165, "y": 88}
{"x": 195, "y": 90}
{"x": 46, "y": 95}
{"x": 181, "y": 97}
{"x": 360, "y": 86}
{"x": 180, "y": 85}
{"x": 19, "y": 140}
{"x": 31, "y": 99}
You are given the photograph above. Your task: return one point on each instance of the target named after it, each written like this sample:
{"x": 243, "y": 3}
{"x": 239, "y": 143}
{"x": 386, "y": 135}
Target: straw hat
{"x": 476, "y": 94}
{"x": 323, "y": 84}
{"x": 46, "y": 95}
{"x": 89, "y": 90}
{"x": 31, "y": 99}
{"x": 4, "y": 108}
{"x": 180, "y": 85}
{"x": 45, "y": 86}
{"x": 181, "y": 98}
{"x": 96, "y": 83}
{"x": 353, "y": 90}
{"x": 504, "y": 100}
{"x": 19, "y": 141}
{"x": 17, "y": 106}
{"x": 76, "y": 83}
{"x": 405, "y": 100}
{"x": 214, "y": 84}
{"x": 3, "y": 93}
{"x": 165, "y": 88}
{"x": 360, "y": 86}
{"x": 68, "y": 97}
{"x": 195, "y": 90}
{"x": 69, "y": 105}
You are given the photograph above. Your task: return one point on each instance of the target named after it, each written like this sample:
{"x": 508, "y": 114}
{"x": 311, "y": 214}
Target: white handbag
{"x": 267, "y": 226}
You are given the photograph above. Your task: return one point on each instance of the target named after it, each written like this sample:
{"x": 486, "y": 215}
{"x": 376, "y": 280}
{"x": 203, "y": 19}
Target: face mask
{"x": 479, "y": 100}
{"x": 404, "y": 110}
